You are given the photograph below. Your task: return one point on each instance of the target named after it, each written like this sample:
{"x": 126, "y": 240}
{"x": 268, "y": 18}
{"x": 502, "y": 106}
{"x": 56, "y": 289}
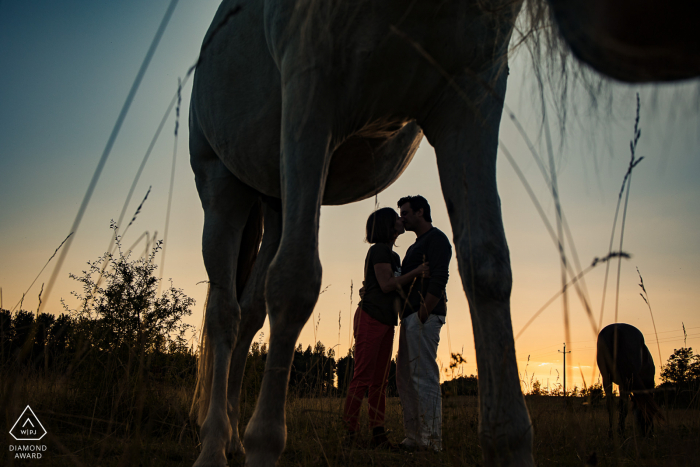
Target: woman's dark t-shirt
{"x": 384, "y": 307}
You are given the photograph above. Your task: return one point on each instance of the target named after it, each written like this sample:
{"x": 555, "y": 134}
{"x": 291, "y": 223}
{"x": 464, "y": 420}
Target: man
{"x": 423, "y": 314}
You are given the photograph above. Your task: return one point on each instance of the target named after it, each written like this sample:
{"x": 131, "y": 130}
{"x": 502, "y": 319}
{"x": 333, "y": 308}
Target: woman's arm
{"x": 389, "y": 283}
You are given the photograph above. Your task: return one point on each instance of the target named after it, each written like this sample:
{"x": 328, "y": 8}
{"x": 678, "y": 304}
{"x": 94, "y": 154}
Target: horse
{"x": 299, "y": 103}
{"x": 623, "y": 358}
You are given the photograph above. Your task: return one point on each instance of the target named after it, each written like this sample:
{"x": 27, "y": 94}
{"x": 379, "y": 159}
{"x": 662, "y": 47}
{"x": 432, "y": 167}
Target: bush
{"x": 124, "y": 335}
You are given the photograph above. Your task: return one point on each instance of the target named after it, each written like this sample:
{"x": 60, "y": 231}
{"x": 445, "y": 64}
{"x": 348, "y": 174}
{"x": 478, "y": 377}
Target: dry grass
{"x": 566, "y": 432}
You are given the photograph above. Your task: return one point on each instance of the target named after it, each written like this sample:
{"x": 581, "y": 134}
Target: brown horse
{"x": 624, "y": 359}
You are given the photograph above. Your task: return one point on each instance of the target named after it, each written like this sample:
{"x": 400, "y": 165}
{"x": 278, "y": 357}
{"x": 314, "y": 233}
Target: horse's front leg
{"x": 465, "y": 136}
{"x": 609, "y": 398}
{"x": 294, "y": 276}
{"x": 623, "y": 405}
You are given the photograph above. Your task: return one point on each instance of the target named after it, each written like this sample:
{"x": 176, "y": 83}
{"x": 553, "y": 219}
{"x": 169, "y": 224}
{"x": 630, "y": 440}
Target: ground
{"x": 567, "y": 432}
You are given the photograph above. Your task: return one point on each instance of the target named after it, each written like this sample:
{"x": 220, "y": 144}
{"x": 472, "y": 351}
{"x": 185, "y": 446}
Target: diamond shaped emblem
{"x": 28, "y": 427}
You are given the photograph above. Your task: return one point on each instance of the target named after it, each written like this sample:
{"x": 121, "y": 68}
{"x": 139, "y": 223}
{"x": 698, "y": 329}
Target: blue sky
{"x": 68, "y": 67}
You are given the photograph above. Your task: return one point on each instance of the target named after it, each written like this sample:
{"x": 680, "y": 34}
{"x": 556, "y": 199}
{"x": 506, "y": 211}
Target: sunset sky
{"x": 68, "y": 66}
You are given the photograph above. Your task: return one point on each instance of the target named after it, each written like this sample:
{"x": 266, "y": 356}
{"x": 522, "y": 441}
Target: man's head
{"x": 415, "y": 213}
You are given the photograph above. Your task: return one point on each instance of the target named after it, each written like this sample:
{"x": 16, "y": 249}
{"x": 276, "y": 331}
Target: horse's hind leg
{"x": 227, "y": 203}
{"x": 465, "y": 137}
{"x": 252, "y": 317}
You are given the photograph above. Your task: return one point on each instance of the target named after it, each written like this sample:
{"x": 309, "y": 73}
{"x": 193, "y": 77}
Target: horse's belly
{"x": 360, "y": 167}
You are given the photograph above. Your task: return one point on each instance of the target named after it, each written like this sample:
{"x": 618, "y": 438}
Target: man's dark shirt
{"x": 433, "y": 247}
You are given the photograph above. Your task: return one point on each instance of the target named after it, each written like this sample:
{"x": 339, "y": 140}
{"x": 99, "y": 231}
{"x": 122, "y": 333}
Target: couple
{"x": 415, "y": 291}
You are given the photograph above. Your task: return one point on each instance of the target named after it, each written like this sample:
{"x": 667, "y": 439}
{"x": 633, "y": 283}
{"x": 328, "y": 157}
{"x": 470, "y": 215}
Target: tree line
{"x": 126, "y": 333}
{"x": 57, "y": 344}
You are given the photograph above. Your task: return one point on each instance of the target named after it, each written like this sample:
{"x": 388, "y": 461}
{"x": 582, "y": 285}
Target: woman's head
{"x": 383, "y": 226}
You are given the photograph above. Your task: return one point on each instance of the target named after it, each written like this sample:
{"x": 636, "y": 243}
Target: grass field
{"x": 158, "y": 432}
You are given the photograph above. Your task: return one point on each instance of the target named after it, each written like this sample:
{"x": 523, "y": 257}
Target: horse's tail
{"x": 250, "y": 244}
{"x": 202, "y": 390}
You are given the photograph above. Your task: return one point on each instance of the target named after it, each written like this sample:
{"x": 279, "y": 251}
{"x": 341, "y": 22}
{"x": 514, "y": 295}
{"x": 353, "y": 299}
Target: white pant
{"x": 418, "y": 379}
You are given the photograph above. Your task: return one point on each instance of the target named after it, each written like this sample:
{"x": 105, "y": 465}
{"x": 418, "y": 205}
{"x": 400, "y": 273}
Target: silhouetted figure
{"x": 624, "y": 359}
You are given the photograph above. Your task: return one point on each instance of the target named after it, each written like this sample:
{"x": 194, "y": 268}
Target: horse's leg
{"x": 622, "y": 412}
{"x": 609, "y": 398}
{"x": 252, "y": 318}
{"x": 638, "y": 417}
{"x": 294, "y": 277}
{"x": 465, "y": 137}
{"x": 227, "y": 203}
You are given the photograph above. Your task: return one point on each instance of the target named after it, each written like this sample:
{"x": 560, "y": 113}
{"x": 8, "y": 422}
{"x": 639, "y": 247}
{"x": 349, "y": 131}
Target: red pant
{"x": 373, "y": 344}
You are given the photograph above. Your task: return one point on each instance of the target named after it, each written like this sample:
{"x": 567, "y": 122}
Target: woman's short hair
{"x": 381, "y": 226}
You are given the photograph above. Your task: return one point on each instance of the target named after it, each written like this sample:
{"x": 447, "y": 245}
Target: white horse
{"x": 325, "y": 102}
{"x": 623, "y": 358}
{"x": 299, "y": 103}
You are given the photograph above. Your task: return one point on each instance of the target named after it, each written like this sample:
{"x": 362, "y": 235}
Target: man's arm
{"x": 388, "y": 283}
{"x": 427, "y": 307}
{"x": 438, "y": 253}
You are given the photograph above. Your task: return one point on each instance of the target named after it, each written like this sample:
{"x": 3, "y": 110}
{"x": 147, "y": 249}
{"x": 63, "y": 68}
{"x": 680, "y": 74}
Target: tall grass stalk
{"x": 645, "y": 296}
{"x": 110, "y": 143}
{"x": 633, "y": 163}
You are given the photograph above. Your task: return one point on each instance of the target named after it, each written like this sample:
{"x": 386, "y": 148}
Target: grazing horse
{"x": 624, "y": 359}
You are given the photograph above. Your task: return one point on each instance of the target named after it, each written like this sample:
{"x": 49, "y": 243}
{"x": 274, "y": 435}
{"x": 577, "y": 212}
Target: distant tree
{"x": 313, "y": 371}
{"x": 254, "y": 370}
{"x": 461, "y": 386}
{"x": 6, "y": 333}
{"x": 682, "y": 367}
{"x": 22, "y": 339}
{"x": 41, "y": 336}
{"x": 33, "y": 341}
{"x": 61, "y": 346}
{"x": 323, "y": 369}
{"x": 344, "y": 371}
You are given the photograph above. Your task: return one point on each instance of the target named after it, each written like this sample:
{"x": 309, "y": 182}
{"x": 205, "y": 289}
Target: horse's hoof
{"x": 234, "y": 450}
{"x": 208, "y": 459}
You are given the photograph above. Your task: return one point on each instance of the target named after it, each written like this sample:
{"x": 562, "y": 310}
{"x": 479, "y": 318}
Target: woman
{"x": 375, "y": 319}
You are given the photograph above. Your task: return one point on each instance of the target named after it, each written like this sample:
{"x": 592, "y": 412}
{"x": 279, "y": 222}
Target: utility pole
{"x": 564, "y": 352}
